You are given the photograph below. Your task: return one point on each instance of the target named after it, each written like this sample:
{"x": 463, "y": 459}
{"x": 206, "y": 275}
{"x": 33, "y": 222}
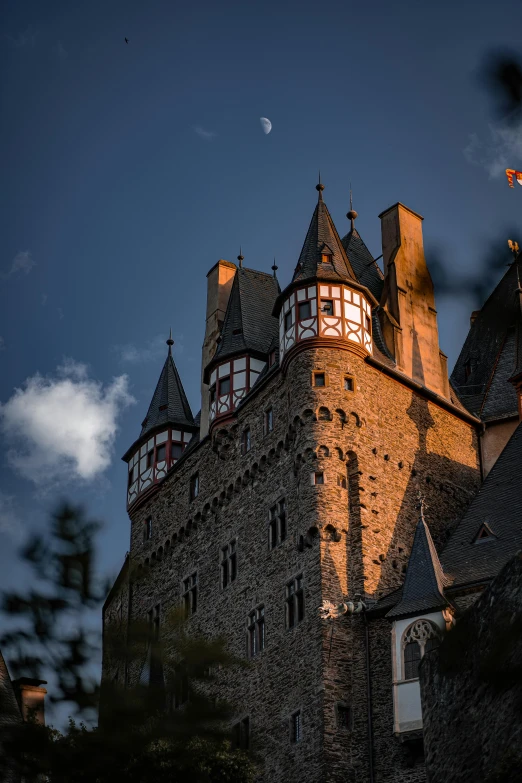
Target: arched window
{"x": 419, "y": 638}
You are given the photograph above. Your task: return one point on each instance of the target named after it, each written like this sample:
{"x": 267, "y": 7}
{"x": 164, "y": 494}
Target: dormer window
{"x": 327, "y": 306}
{"x": 484, "y": 534}
{"x": 224, "y": 386}
{"x": 326, "y": 258}
{"x": 304, "y": 310}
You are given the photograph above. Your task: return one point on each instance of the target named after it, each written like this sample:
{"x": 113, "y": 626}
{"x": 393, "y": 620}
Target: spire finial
{"x": 170, "y": 342}
{"x": 240, "y": 258}
{"x": 352, "y": 214}
{"x": 320, "y": 187}
{"x": 275, "y": 267}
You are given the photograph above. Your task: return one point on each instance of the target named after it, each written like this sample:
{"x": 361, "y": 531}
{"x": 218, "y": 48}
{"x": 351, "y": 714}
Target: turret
{"x": 166, "y": 431}
{"x": 244, "y": 349}
{"x": 324, "y": 302}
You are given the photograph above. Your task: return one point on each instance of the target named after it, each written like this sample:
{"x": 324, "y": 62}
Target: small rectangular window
{"x": 256, "y": 631}
{"x": 194, "y": 486}
{"x": 294, "y": 602}
{"x": 176, "y": 450}
{"x": 348, "y": 383}
{"x": 367, "y": 323}
{"x": 161, "y": 452}
{"x": 228, "y": 564}
{"x": 245, "y": 441}
{"x": 304, "y": 310}
{"x": 319, "y": 379}
{"x": 150, "y": 458}
{"x": 296, "y": 727}
{"x": 147, "y": 530}
{"x": 344, "y": 716}
{"x": 224, "y": 386}
{"x": 289, "y": 320}
{"x": 212, "y": 392}
{"x": 189, "y": 594}
{"x": 327, "y": 306}
{"x": 131, "y": 477}
{"x": 271, "y": 358}
{"x": 412, "y": 657}
{"x": 277, "y": 523}
{"x": 318, "y": 478}
{"x": 241, "y": 734}
{"x": 269, "y": 420}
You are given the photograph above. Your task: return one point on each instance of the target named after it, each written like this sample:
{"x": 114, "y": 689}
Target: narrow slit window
{"x": 256, "y": 631}
{"x": 289, "y": 320}
{"x": 147, "y": 530}
{"x": 228, "y": 564}
{"x": 190, "y": 594}
{"x": 277, "y": 523}
{"x": 296, "y": 727}
{"x": 294, "y": 602}
{"x": 194, "y": 486}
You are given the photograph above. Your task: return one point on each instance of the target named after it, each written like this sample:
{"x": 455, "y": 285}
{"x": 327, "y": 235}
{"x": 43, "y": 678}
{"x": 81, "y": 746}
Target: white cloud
{"x": 153, "y": 350}
{"x": 502, "y": 151}
{"x": 10, "y": 522}
{"x": 63, "y": 427}
{"x": 22, "y": 263}
{"x": 204, "y": 134}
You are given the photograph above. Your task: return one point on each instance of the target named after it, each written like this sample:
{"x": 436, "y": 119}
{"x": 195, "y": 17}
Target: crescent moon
{"x": 265, "y": 124}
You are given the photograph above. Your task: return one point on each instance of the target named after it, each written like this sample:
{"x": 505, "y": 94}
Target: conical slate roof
{"x": 249, "y": 326}
{"x": 322, "y": 237}
{"x": 366, "y": 269}
{"x": 169, "y": 404}
{"x": 489, "y": 357}
{"x": 423, "y": 588}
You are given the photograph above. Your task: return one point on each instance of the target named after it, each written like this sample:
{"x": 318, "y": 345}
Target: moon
{"x": 265, "y": 124}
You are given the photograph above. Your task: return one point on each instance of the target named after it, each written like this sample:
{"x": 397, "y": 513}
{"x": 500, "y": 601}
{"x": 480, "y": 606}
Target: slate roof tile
{"x": 366, "y": 269}
{"x": 169, "y": 404}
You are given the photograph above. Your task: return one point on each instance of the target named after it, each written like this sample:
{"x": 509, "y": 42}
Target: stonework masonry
{"x": 377, "y": 447}
{"x": 472, "y": 690}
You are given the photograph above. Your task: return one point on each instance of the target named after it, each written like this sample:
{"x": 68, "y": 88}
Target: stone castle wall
{"x": 387, "y": 444}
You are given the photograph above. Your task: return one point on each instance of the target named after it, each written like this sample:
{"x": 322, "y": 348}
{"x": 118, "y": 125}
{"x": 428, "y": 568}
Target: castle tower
{"x": 302, "y": 487}
{"x": 166, "y": 431}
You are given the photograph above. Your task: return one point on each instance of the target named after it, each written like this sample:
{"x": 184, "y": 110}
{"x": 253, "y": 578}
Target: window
{"x": 245, "y": 441}
{"x": 271, "y": 358}
{"x": 161, "y": 452}
{"x": 367, "y": 323}
{"x": 268, "y": 423}
{"x": 224, "y": 386}
{"x": 277, "y": 523}
{"x": 176, "y": 450}
{"x": 212, "y": 394}
{"x": 256, "y": 631}
{"x": 421, "y": 637}
{"x": 304, "y": 310}
{"x": 131, "y": 476}
{"x": 228, "y": 564}
{"x": 484, "y": 534}
{"x": 348, "y": 383}
{"x": 294, "y": 601}
{"x": 150, "y": 458}
{"x": 318, "y": 477}
{"x": 289, "y": 320}
{"x": 319, "y": 379}
{"x": 241, "y": 734}
{"x": 147, "y": 530}
{"x": 341, "y": 481}
{"x": 190, "y": 594}
{"x": 296, "y": 727}
{"x": 327, "y": 306}
{"x": 194, "y": 486}
{"x": 344, "y": 716}
{"x": 326, "y": 258}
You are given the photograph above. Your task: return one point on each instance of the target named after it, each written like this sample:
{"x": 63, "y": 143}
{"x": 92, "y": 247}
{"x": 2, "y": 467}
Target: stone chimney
{"x": 408, "y": 315}
{"x": 219, "y": 284}
{"x": 31, "y": 698}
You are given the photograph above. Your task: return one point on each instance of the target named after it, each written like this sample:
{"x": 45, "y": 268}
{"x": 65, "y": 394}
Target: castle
{"x": 333, "y": 464}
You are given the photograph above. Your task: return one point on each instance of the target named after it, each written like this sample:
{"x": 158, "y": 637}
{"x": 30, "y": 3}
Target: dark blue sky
{"x": 128, "y": 170}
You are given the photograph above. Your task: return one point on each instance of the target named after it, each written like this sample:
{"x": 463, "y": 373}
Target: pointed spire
{"x": 274, "y": 268}
{"x": 323, "y": 254}
{"x": 423, "y": 588}
{"x": 320, "y": 187}
{"x": 169, "y": 404}
{"x": 352, "y": 214}
{"x": 240, "y": 258}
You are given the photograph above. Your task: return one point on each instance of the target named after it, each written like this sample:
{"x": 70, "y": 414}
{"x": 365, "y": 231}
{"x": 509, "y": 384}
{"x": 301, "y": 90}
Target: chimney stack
{"x": 408, "y": 315}
{"x": 219, "y": 285}
{"x": 31, "y": 698}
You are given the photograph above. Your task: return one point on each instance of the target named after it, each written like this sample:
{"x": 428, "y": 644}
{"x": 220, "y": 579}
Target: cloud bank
{"x": 62, "y": 428}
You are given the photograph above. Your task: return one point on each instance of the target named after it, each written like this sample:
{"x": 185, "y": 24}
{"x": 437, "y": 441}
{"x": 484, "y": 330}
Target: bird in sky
{"x": 126, "y": 40}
